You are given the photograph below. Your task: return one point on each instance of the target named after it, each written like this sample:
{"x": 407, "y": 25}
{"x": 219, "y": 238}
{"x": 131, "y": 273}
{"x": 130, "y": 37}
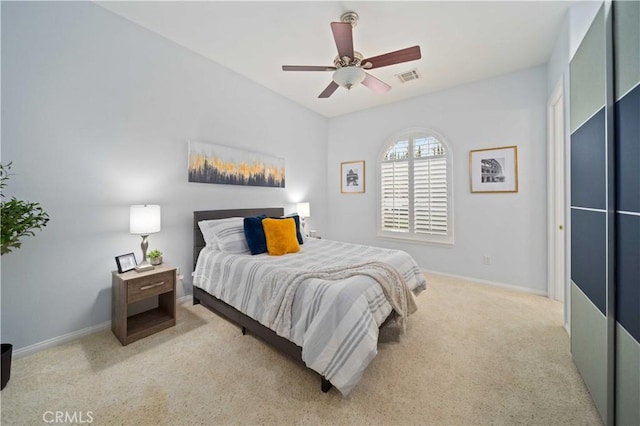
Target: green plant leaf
{"x": 19, "y": 218}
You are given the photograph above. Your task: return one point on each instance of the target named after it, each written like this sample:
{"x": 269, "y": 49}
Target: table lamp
{"x": 144, "y": 220}
{"x": 304, "y": 211}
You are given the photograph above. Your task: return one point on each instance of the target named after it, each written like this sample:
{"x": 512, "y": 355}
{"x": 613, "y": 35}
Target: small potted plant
{"x": 155, "y": 257}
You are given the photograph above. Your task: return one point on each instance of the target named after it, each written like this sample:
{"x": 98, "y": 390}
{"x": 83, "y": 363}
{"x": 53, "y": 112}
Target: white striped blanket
{"x": 334, "y": 321}
{"x": 283, "y": 284}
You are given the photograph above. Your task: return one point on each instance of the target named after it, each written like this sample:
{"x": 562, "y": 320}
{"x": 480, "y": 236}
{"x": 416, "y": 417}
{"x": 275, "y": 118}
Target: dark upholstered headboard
{"x": 198, "y": 240}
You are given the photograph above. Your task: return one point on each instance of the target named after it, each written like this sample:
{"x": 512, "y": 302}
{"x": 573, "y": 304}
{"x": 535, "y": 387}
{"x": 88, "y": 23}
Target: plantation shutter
{"x": 430, "y": 196}
{"x": 395, "y": 196}
{"x": 414, "y": 185}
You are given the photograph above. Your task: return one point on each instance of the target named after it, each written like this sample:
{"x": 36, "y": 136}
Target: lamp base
{"x": 144, "y": 266}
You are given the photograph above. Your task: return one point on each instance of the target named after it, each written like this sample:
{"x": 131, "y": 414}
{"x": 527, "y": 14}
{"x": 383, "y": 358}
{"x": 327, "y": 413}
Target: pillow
{"x": 298, "y": 234}
{"x": 281, "y": 236}
{"x": 207, "y": 229}
{"x": 254, "y": 234}
{"x": 228, "y": 234}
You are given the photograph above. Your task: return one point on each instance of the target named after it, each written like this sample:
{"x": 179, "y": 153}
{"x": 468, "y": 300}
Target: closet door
{"x": 626, "y": 37}
{"x": 605, "y": 211}
{"x": 592, "y": 310}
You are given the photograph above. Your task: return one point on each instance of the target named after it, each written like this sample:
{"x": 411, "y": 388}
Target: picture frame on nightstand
{"x": 126, "y": 262}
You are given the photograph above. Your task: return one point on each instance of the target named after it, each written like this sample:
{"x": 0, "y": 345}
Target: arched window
{"x": 416, "y": 200}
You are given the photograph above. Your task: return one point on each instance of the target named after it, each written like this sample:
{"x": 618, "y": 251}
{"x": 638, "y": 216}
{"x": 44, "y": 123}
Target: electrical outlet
{"x": 486, "y": 259}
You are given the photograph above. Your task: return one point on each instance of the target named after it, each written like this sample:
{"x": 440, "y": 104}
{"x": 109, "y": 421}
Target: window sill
{"x": 414, "y": 240}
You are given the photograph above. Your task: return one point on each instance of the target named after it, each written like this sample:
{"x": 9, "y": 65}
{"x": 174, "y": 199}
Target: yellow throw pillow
{"x": 281, "y": 236}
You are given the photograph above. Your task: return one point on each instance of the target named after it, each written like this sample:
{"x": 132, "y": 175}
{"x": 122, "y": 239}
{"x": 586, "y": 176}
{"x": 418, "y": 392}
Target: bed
{"x": 323, "y": 306}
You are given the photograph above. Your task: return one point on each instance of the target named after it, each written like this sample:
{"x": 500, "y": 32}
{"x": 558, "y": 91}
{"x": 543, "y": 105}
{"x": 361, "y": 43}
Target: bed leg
{"x": 326, "y": 385}
{"x": 244, "y": 331}
{"x": 196, "y": 301}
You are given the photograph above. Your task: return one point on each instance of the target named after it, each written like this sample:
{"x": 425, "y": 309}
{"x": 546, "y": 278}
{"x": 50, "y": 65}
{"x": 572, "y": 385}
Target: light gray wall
{"x": 558, "y": 64}
{"x": 511, "y": 228}
{"x": 96, "y": 115}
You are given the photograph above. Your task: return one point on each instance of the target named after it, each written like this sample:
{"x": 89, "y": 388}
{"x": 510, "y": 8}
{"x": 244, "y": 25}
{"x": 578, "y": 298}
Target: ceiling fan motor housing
{"x": 346, "y": 61}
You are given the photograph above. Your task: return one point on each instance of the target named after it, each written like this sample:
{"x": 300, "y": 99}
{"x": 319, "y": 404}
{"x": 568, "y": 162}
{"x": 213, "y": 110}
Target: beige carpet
{"x": 472, "y": 354}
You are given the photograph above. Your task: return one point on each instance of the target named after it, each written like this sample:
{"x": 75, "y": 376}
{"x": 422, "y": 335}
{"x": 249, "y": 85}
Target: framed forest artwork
{"x": 211, "y": 163}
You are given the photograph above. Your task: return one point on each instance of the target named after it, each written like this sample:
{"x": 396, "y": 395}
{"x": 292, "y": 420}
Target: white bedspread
{"x": 334, "y": 321}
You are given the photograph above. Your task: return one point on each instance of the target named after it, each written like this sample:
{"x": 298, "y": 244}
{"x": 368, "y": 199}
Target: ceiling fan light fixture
{"x": 348, "y": 77}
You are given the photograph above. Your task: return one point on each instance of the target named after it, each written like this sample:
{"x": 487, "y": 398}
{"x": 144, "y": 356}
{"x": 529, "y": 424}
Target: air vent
{"x": 408, "y": 76}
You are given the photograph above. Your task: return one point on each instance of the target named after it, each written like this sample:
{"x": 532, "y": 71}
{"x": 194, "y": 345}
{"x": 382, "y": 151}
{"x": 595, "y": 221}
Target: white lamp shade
{"x": 144, "y": 219}
{"x": 304, "y": 210}
{"x": 348, "y": 76}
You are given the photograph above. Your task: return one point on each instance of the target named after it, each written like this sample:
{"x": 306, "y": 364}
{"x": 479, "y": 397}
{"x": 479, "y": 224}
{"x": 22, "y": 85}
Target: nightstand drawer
{"x": 141, "y": 288}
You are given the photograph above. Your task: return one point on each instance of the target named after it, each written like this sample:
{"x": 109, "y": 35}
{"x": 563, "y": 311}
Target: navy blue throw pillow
{"x": 254, "y": 234}
{"x": 296, "y": 218}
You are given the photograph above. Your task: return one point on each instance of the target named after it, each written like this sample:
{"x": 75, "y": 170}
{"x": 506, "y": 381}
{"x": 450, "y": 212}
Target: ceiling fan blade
{"x": 375, "y": 84}
{"x": 329, "y": 90}
{"x": 399, "y": 56}
{"x": 343, "y": 36}
{"x": 307, "y": 68}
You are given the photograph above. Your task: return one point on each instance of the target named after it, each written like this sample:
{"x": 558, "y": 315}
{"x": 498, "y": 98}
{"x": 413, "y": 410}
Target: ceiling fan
{"x": 349, "y": 65}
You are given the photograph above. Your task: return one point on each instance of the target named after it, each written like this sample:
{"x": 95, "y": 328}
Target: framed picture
{"x": 211, "y": 163}
{"x": 126, "y": 262}
{"x": 494, "y": 169}
{"x": 352, "y": 177}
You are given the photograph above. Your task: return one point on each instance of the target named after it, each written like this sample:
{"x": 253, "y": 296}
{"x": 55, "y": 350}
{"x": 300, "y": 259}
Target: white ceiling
{"x": 461, "y": 41}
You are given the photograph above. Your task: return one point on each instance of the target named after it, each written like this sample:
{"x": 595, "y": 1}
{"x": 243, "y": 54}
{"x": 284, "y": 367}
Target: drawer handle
{"x": 147, "y": 287}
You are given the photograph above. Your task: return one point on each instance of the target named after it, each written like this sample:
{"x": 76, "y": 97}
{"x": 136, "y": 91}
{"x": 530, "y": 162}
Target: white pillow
{"x": 207, "y": 228}
{"x": 226, "y": 235}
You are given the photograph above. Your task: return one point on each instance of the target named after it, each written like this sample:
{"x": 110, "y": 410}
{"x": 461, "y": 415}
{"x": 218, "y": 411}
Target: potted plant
{"x": 155, "y": 257}
{"x": 19, "y": 219}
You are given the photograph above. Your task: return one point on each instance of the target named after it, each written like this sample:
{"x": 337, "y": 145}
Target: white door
{"x": 556, "y": 195}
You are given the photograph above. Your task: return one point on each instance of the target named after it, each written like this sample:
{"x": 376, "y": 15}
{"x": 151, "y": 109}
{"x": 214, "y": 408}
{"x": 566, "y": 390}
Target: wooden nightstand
{"x": 131, "y": 287}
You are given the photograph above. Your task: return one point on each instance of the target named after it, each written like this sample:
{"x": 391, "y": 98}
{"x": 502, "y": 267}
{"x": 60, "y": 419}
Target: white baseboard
{"x": 184, "y": 299}
{"x": 491, "y": 283}
{"x": 65, "y": 338}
